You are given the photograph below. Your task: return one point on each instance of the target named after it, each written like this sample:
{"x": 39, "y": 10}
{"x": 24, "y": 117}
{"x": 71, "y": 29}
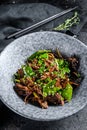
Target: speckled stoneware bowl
{"x": 15, "y": 54}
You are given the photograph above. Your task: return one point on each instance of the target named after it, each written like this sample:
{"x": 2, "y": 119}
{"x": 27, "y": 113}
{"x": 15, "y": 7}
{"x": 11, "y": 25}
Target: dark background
{"x": 8, "y": 119}
{"x": 81, "y": 3}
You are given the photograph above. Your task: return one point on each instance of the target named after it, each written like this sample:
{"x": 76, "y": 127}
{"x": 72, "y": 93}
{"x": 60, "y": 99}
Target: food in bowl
{"x": 47, "y": 78}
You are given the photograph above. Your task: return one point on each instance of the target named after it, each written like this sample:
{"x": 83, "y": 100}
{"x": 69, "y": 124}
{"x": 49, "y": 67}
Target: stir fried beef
{"x": 47, "y": 78}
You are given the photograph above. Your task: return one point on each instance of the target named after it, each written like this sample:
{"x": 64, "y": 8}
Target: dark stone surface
{"x": 11, "y": 121}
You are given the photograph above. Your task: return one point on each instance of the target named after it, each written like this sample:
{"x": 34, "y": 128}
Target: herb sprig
{"x": 68, "y": 23}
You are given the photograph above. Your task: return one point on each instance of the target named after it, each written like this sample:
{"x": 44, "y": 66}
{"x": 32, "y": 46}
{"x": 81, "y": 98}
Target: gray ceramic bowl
{"x": 14, "y": 56}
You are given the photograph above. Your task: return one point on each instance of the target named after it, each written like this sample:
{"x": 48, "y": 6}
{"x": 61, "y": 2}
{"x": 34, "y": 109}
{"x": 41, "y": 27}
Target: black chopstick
{"x": 32, "y": 27}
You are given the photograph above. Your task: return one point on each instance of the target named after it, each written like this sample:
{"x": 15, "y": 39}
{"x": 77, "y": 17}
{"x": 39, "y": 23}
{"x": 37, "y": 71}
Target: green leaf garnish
{"x": 67, "y": 92}
{"x": 38, "y": 53}
{"x": 28, "y": 71}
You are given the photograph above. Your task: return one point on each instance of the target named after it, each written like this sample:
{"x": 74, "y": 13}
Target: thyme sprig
{"x": 68, "y": 23}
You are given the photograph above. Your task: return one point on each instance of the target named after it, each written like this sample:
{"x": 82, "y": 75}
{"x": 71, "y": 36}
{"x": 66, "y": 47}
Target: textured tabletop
{"x": 11, "y": 121}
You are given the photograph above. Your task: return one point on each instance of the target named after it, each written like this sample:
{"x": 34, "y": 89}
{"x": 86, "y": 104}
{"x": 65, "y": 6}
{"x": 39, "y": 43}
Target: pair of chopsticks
{"x": 30, "y": 28}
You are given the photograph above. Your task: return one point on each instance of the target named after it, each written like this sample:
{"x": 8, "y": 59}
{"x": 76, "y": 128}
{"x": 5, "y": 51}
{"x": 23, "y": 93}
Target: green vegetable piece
{"x": 38, "y": 81}
{"x": 63, "y": 67}
{"x": 56, "y": 89}
{"x": 35, "y": 95}
{"x": 61, "y": 62}
{"x": 67, "y": 92}
{"x": 40, "y": 61}
{"x": 50, "y": 88}
{"x": 51, "y": 83}
{"x": 38, "y": 53}
{"x": 44, "y": 94}
{"x": 65, "y": 70}
{"x": 41, "y": 69}
{"x": 28, "y": 70}
{"x": 47, "y": 80}
{"x": 78, "y": 75}
{"x": 44, "y": 56}
{"x": 17, "y": 80}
